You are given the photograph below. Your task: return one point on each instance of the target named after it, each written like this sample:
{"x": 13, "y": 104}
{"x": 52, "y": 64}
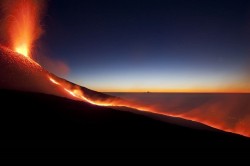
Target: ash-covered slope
{"x": 19, "y": 73}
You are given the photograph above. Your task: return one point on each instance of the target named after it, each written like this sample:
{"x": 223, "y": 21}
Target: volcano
{"x": 24, "y": 74}
{"x": 34, "y": 107}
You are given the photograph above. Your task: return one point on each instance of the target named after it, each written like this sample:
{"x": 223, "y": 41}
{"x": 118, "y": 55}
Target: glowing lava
{"x": 78, "y": 94}
{"x": 53, "y": 81}
{"x": 23, "y": 23}
{"x": 23, "y": 50}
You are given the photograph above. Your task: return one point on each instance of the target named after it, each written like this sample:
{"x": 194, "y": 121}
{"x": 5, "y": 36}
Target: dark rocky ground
{"x": 36, "y": 116}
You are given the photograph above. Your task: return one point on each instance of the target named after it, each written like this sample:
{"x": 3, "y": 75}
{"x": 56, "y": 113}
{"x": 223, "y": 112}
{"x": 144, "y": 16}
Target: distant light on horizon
{"x": 164, "y": 46}
{"x": 164, "y": 82}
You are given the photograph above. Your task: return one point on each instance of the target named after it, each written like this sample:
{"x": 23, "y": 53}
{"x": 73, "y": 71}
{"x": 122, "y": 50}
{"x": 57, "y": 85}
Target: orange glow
{"x": 78, "y": 94}
{"x": 196, "y": 115}
{"x": 23, "y": 24}
{"x": 236, "y": 89}
{"x": 23, "y": 50}
{"x": 54, "y": 81}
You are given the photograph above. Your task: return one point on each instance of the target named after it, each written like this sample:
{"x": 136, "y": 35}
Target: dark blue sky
{"x": 167, "y": 45}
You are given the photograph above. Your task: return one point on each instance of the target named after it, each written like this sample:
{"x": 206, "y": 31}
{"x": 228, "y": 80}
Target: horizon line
{"x": 172, "y": 92}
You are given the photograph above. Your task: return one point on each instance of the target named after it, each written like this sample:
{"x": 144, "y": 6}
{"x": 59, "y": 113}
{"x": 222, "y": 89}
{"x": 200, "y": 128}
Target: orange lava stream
{"x": 78, "y": 94}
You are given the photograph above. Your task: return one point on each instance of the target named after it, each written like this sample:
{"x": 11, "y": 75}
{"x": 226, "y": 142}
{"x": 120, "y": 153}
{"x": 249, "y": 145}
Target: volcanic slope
{"x": 31, "y": 109}
{"x": 20, "y": 73}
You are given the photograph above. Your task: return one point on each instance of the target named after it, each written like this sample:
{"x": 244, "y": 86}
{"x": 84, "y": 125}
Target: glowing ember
{"x": 23, "y": 24}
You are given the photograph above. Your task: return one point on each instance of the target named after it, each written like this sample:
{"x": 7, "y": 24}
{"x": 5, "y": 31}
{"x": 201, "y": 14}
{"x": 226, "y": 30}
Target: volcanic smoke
{"x": 22, "y": 19}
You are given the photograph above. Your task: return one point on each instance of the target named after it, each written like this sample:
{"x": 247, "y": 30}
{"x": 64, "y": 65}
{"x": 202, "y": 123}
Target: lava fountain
{"x": 22, "y": 19}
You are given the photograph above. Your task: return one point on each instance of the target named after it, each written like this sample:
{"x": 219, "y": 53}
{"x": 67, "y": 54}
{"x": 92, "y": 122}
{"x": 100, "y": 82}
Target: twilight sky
{"x": 167, "y": 45}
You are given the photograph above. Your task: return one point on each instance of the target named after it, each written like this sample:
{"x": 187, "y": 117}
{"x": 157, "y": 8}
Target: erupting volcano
{"x": 22, "y": 18}
{"x": 22, "y": 21}
{"x": 20, "y": 72}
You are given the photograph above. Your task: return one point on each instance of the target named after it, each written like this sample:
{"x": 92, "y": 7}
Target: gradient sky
{"x": 168, "y": 45}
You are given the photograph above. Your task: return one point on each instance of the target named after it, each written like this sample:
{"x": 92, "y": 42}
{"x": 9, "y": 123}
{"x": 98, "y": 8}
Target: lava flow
{"x": 78, "y": 94}
{"x": 208, "y": 119}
